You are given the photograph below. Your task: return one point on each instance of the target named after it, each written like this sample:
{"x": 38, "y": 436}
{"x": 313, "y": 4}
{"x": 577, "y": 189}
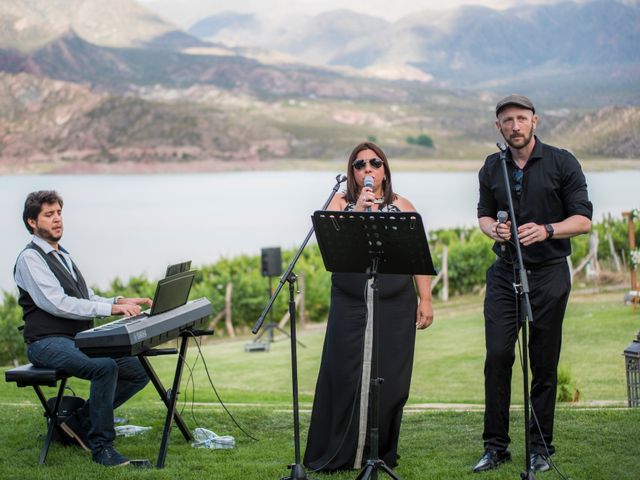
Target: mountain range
{"x": 592, "y": 44}
{"x": 88, "y": 82}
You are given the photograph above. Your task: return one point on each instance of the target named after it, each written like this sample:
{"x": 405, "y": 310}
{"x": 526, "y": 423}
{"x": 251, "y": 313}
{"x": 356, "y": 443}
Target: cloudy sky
{"x": 185, "y": 13}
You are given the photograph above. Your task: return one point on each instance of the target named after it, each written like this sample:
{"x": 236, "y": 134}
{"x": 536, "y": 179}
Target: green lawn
{"x": 592, "y": 444}
{"x": 595, "y": 443}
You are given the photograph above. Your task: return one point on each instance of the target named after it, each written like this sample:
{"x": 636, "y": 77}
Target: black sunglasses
{"x": 517, "y": 180}
{"x": 361, "y": 163}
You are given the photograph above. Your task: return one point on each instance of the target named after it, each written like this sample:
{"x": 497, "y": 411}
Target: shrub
{"x": 618, "y": 228}
{"x": 470, "y": 255}
{"x": 12, "y": 349}
{"x": 566, "y": 389}
{"x": 423, "y": 140}
{"x": 468, "y": 263}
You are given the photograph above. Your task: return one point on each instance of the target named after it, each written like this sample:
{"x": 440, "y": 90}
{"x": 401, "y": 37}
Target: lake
{"x": 126, "y": 225}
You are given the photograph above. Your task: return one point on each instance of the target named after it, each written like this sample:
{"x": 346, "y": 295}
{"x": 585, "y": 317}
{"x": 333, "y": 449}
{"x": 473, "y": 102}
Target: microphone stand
{"x": 297, "y": 469}
{"x": 525, "y": 313}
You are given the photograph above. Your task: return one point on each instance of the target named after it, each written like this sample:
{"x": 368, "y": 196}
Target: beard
{"x": 518, "y": 141}
{"x": 48, "y": 235}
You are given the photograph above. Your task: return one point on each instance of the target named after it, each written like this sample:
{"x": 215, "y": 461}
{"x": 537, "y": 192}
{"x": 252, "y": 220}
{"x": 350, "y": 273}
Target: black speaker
{"x": 271, "y": 262}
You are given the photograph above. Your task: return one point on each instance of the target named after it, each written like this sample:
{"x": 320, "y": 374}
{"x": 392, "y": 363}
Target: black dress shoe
{"x": 491, "y": 459}
{"x": 539, "y": 462}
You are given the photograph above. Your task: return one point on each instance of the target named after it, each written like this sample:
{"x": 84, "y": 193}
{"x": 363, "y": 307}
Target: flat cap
{"x": 517, "y": 100}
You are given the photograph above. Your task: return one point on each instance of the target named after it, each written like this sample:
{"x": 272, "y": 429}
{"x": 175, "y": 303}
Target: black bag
{"x": 69, "y": 405}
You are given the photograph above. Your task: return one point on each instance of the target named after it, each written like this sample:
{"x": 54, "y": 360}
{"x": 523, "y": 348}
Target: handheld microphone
{"x": 502, "y": 217}
{"x": 368, "y": 182}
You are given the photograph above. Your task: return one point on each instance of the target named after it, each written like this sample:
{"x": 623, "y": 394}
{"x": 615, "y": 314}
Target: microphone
{"x": 502, "y": 217}
{"x": 502, "y": 147}
{"x": 368, "y": 182}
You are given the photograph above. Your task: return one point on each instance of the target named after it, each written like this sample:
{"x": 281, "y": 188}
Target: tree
{"x": 423, "y": 140}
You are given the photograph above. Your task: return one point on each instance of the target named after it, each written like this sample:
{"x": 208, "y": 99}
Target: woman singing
{"x": 338, "y": 437}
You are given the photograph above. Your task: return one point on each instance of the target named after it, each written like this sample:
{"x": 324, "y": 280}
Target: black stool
{"x": 36, "y": 377}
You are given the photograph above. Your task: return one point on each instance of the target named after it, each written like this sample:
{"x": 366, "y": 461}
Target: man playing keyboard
{"x": 57, "y": 304}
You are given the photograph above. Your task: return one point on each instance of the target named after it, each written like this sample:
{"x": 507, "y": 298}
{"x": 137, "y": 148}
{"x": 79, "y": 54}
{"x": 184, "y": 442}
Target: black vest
{"x": 38, "y": 323}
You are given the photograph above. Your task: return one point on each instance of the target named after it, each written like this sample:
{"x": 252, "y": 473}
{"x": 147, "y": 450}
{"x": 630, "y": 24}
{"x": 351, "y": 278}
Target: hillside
{"x": 136, "y": 91}
{"x": 610, "y": 132}
{"x": 52, "y": 121}
{"x": 27, "y": 25}
{"x": 62, "y": 123}
{"x": 586, "y": 51}
{"x": 71, "y": 58}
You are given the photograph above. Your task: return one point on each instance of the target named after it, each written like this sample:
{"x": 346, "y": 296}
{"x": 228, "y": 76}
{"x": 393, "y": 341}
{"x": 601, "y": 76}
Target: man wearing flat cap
{"x": 551, "y": 205}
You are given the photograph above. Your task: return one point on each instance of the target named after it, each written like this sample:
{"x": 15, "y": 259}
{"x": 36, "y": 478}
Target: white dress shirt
{"x": 34, "y": 275}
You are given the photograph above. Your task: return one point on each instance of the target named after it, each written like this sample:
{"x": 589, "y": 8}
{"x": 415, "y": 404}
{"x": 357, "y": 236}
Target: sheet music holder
{"x": 349, "y": 241}
{"x": 373, "y": 243}
{"x": 178, "y": 268}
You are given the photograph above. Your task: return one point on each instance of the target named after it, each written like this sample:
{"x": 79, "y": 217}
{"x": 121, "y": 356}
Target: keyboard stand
{"x": 170, "y": 398}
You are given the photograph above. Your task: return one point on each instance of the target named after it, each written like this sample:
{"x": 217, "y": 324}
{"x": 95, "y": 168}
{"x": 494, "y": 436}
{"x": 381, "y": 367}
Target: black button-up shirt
{"x": 553, "y": 188}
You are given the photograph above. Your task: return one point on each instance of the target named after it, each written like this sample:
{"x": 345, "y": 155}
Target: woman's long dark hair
{"x": 352, "y": 187}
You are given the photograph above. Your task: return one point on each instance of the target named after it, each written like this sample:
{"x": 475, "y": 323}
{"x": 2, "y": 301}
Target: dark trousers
{"x": 113, "y": 382}
{"x": 549, "y": 291}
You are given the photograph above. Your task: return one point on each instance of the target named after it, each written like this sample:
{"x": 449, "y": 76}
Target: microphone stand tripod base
{"x": 297, "y": 473}
{"x": 527, "y": 475}
{"x": 256, "y": 346}
{"x": 371, "y": 470}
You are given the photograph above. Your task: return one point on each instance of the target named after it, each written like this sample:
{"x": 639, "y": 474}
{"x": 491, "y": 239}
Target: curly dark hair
{"x": 33, "y": 205}
{"x": 353, "y": 189}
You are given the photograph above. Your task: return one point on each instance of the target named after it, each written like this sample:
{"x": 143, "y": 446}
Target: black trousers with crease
{"x": 549, "y": 287}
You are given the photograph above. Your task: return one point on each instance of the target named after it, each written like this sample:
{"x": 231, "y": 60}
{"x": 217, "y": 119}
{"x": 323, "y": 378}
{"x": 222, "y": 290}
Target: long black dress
{"x": 336, "y": 429}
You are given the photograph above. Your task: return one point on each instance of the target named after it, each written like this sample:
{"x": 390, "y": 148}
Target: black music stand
{"x": 373, "y": 243}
